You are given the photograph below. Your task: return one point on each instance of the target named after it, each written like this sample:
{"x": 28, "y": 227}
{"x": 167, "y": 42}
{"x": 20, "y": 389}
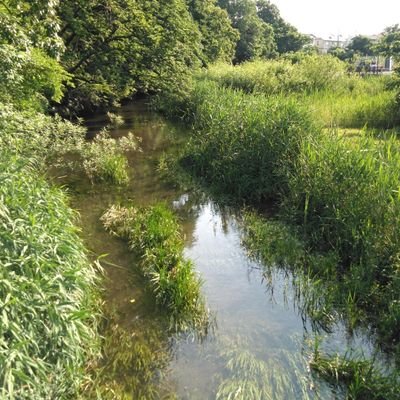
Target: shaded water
{"x": 258, "y": 329}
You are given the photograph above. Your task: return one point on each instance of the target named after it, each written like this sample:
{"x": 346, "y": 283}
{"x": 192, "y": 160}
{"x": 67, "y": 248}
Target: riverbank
{"x": 48, "y": 287}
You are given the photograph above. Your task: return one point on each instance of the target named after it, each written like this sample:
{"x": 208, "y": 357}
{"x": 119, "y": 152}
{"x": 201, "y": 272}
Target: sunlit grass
{"x": 48, "y": 315}
{"x": 359, "y": 377}
{"x": 153, "y": 234}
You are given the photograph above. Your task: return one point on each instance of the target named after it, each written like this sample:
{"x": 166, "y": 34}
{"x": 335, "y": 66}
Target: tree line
{"x": 102, "y": 50}
{"x": 92, "y": 53}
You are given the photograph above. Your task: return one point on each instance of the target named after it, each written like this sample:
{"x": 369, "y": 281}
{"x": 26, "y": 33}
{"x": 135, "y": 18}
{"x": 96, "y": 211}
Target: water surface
{"x": 256, "y": 321}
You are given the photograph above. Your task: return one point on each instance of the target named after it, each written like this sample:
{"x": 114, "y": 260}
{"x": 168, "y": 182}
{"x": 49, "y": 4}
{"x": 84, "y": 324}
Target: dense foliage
{"x": 263, "y": 32}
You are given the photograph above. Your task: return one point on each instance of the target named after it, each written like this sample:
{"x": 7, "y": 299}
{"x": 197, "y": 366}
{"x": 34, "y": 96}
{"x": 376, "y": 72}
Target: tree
{"x": 256, "y": 36}
{"x": 361, "y": 45}
{"x": 287, "y": 37}
{"x": 37, "y": 19}
{"x": 30, "y": 75}
{"x": 117, "y": 47}
{"x": 389, "y": 44}
{"x": 218, "y": 37}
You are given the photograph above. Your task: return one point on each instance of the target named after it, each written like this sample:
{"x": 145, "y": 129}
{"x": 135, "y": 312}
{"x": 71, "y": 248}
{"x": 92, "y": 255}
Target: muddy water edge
{"x": 260, "y": 341}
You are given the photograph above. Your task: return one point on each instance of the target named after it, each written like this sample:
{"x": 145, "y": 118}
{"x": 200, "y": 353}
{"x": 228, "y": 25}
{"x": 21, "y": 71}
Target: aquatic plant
{"x": 58, "y": 143}
{"x": 115, "y": 119}
{"x": 249, "y": 377}
{"x": 104, "y": 159}
{"x": 131, "y": 364}
{"x": 358, "y": 377}
{"x": 153, "y": 233}
{"x": 47, "y": 288}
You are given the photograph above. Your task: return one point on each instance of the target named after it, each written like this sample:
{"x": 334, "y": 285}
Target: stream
{"x": 258, "y": 333}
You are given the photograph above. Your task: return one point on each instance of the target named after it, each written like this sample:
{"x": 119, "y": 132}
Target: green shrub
{"x": 46, "y": 289}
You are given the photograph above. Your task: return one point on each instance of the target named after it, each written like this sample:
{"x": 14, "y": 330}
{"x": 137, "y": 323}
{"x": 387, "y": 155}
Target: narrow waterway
{"x": 257, "y": 329}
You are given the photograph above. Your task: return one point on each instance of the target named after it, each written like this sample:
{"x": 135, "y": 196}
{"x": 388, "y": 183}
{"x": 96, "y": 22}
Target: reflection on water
{"x": 260, "y": 339}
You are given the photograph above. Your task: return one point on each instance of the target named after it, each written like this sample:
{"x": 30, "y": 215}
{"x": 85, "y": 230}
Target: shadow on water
{"x": 260, "y": 341}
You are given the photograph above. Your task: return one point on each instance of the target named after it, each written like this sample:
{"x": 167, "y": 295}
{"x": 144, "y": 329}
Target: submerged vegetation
{"x": 154, "y": 234}
{"x": 361, "y": 378}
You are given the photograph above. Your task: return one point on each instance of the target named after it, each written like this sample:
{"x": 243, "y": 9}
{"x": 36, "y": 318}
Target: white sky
{"x": 340, "y": 17}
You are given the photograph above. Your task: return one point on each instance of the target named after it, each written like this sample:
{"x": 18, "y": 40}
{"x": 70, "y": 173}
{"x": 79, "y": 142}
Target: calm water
{"x": 257, "y": 325}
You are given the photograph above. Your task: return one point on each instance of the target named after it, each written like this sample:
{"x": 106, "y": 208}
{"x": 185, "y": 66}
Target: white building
{"x": 324, "y": 45}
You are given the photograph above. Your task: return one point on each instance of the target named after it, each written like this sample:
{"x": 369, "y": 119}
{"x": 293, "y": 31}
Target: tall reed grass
{"x": 47, "y": 289}
{"x": 335, "y": 97}
{"x": 154, "y": 234}
{"x": 342, "y": 193}
{"x": 244, "y": 144}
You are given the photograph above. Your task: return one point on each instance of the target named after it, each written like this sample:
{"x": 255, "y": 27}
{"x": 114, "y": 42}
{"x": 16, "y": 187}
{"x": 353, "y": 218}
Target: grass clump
{"x": 104, "y": 159}
{"x": 47, "y": 327}
{"x": 154, "y": 234}
{"x": 358, "y": 377}
{"x": 244, "y": 144}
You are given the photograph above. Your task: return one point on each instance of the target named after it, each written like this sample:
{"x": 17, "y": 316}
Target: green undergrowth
{"x": 47, "y": 288}
{"x": 60, "y": 144}
{"x": 154, "y": 235}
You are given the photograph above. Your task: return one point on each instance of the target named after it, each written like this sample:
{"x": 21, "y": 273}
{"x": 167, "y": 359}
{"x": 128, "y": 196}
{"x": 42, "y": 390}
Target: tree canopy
{"x": 91, "y": 53}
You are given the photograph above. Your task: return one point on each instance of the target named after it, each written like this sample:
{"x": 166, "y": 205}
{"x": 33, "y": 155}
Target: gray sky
{"x": 340, "y": 17}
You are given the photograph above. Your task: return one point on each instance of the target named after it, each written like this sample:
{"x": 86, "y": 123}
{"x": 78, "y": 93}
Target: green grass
{"x": 48, "y": 318}
{"x": 153, "y": 234}
{"x": 339, "y": 193}
{"x": 244, "y": 144}
{"x": 334, "y": 97}
{"x": 360, "y": 378}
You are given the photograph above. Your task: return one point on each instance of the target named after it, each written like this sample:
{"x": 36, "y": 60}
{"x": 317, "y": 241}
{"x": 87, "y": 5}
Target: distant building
{"x": 324, "y": 45}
